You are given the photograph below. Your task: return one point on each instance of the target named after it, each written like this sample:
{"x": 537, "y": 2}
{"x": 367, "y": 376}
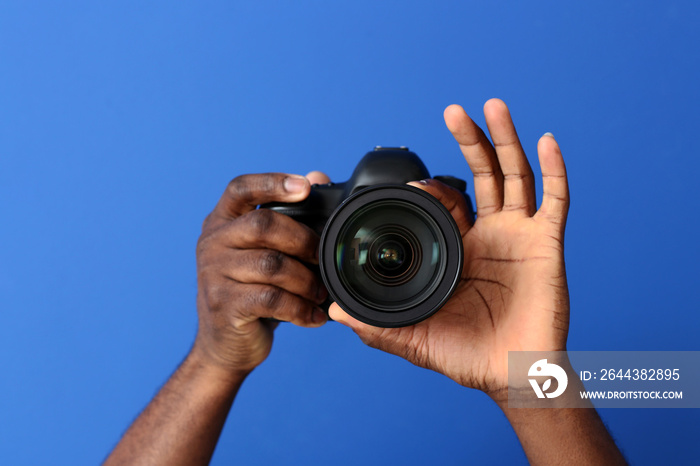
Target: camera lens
{"x": 391, "y": 256}
{"x": 388, "y": 255}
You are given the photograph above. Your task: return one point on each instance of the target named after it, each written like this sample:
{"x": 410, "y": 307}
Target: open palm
{"x": 513, "y": 294}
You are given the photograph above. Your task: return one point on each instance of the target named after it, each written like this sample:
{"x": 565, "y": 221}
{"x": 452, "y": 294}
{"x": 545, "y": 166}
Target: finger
{"x": 316, "y": 177}
{"x": 268, "y": 267}
{"x": 246, "y": 192}
{"x": 519, "y": 182}
{"x": 477, "y": 150}
{"x": 555, "y": 198}
{"x": 265, "y": 229}
{"x": 368, "y": 334}
{"x": 452, "y": 199}
{"x": 266, "y": 301}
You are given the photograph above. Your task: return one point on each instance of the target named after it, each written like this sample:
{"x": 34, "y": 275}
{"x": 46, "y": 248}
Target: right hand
{"x": 250, "y": 271}
{"x": 513, "y": 295}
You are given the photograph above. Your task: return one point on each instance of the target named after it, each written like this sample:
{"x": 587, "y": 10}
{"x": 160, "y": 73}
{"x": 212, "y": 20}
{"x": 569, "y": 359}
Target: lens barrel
{"x": 391, "y": 255}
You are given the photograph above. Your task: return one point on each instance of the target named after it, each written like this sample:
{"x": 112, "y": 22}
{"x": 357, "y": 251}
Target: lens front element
{"x": 391, "y": 255}
{"x": 388, "y": 255}
{"x": 394, "y": 255}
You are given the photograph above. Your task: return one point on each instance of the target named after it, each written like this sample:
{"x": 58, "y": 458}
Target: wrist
{"x": 516, "y": 389}
{"x": 199, "y": 363}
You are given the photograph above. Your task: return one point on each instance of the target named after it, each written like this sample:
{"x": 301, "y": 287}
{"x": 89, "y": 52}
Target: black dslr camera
{"x": 391, "y": 254}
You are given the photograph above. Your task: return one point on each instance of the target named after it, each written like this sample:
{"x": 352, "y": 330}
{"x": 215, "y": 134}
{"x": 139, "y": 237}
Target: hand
{"x": 513, "y": 294}
{"x": 250, "y": 269}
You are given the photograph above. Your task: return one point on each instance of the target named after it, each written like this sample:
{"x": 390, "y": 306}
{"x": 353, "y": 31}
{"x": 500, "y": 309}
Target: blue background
{"x": 122, "y": 122}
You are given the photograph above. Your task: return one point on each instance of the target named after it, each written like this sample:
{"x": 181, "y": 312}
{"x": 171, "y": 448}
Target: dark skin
{"x": 513, "y": 296}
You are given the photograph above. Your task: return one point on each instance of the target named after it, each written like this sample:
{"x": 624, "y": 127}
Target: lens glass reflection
{"x": 390, "y": 255}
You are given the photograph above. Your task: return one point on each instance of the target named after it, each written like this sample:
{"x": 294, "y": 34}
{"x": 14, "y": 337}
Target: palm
{"x": 510, "y": 299}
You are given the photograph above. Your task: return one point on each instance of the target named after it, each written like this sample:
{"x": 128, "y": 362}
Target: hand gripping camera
{"x": 390, "y": 254}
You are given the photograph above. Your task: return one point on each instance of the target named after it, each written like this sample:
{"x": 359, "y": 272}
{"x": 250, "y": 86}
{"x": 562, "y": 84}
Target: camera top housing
{"x": 390, "y": 254}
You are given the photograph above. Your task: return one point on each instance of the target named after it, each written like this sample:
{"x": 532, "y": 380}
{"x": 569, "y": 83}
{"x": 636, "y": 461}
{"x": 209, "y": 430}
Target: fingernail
{"x": 319, "y": 316}
{"x": 424, "y": 182}
{"x": 294, "y": 184}
{"x": 548, "y": 134}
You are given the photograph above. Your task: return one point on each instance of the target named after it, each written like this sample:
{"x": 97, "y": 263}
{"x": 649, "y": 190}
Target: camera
{"x": 391, "y": 254}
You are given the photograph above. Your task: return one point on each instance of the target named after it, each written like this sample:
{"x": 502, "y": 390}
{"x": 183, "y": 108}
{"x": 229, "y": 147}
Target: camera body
{"x": 390, "y": 254}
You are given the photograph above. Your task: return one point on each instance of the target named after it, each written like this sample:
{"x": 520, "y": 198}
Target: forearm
{"x": 563, "y": 435}
{"x": 183, "y": 422}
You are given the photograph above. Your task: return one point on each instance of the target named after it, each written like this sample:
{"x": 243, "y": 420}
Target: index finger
{"x": 246, "y": 192}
